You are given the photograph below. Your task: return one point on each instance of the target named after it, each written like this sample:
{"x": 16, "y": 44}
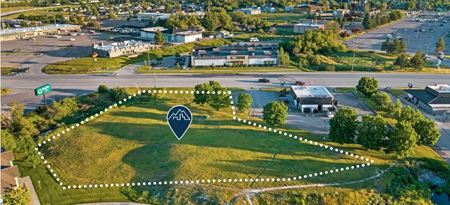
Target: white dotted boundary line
{"x": 217, "y": 180}
{"x": 233, "y": 107}
{"x": 302, "y": 139}
{"x": 115, "y": 105}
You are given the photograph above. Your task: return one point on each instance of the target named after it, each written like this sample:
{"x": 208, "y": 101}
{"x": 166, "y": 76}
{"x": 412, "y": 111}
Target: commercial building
{"x": 251, "y": 10}
{"x": 303, "y": 27}
{"x": 433, "y": 99}
{"x": 152, "y": 16}
{"x": 248, "y": 54}
{"x": 117, "y": 49}
{"x": 172, "y": 35}
{"x": 312, "y": 98}
{"x": 30, "y": 32}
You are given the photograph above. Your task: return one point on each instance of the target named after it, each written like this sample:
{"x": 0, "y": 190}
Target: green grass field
{"x": 134, "y": 143}
{"x": 219, "y": 70}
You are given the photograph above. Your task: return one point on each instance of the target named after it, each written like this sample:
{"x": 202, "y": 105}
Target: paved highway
{"x": 69, "y": 85}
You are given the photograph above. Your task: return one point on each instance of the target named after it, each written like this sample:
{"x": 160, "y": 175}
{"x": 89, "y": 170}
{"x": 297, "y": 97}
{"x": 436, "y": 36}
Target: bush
{"x": 330, "y": 68}
{"x": 313, "y": 60}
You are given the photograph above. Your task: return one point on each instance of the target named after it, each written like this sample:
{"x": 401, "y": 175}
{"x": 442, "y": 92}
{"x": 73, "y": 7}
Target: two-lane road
{"x": 68, "y": 85}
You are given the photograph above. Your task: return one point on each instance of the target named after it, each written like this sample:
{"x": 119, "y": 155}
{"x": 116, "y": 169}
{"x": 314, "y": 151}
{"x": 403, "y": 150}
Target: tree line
{"x": 373, "y": 132}
{"x": 374, "y": 20}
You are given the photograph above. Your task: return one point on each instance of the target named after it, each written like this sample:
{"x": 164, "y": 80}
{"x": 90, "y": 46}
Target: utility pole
{"x": 353, "y": 60}
{"x": 148, "y": 60}
{"x": 154, "y": 79}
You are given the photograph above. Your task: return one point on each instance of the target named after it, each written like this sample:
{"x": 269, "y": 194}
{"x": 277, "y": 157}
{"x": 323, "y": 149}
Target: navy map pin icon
{"x": 179, "y": 119}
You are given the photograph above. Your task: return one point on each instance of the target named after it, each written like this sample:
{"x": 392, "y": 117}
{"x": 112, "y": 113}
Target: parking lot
{"x": 42, "y": 50}
{"x": 419, "y": 33}
{"x": 317, "y": 123}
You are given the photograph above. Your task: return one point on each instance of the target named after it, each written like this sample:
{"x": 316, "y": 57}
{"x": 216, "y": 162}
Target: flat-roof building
{"x": 152, "y": 16}
{"x": 117, "y": 49}
{"x": 303, "y": 27}
{"x": 172, "y": 35}
{"x": 433, "y": 99}
{"x": 251, "y": 10}
{"x": 29, "y": 32}
{"x": 243, "y": 53}
{"x": 312, "y": 98}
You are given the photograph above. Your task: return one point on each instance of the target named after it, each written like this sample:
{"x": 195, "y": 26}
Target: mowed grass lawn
{"x": 134, "y": 144}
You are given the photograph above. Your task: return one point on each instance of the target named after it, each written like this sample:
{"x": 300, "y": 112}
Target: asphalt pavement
{"x": 69, "y": 85}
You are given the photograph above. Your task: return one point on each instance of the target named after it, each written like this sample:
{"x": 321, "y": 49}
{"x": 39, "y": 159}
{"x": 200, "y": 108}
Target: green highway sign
{"x": 42, "y": 89}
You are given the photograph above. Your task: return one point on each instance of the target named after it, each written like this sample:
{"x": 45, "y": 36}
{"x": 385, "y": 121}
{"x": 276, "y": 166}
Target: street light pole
{"x": 353, "y": 60}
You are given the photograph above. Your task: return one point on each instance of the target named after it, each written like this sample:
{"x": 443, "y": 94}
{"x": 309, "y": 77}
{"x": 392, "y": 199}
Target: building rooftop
{"x": 119, "y": 45}
{"x": 9, "y": 176}
{"x": 310, "y": 24}
{"x": 171, "y": 31}
{"x": 311, "y": 91}
{"x": 154, "y": 29}
{"x": 440, "y": 88}
{"x": 437, "y": 94}
{"x": 252, "y": 49}
{"x": 7, "y": 157}
{"x": 38, "y": 28}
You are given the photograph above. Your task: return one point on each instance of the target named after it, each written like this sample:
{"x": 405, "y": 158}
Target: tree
{"x": 418, "y": 60}
{"x": 94, "y": 24}
{"x": 284, "y": 57}
{"x": 383, "y": 100}
{"x": 400, "y": 46}
{"x": 245, "y": 102}
{"x": 409, "y": 114}
{"x": 388, "y": 46}
{"x": 159, "y": 38}
{"x": 367, "y": 21}
{"x": 275, "y": 113}
{"x": 220, "y": 100}
{"x": 17, "y": 196}
{"x": 314, "y": 42}
{"x": 102, "y": 89}
{"x": 343, "y": 126}
{"x": 427, "y": 132}
{"x": 402, "y": 60}
{"x": 367, "y": 86}
{"x": 395, "y": 109}
{"x": 440, "y": 45}
{"x": 8, "y": 141}
{"x": 402, "y": 140}
{"x": 201, "y": 95}
{"x": 372, "y": 132}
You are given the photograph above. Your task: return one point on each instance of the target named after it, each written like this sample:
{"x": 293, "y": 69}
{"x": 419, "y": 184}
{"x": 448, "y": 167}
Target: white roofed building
{"x": 117, "y": 49}
{"x": 312, "y": 98}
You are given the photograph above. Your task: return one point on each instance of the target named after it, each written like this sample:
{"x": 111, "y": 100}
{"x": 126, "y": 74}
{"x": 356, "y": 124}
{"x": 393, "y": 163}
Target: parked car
{"x": 264, "y": 80}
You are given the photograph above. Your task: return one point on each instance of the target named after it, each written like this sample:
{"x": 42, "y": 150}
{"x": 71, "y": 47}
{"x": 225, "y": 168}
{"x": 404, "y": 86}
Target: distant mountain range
{"x": 180, "y": 115}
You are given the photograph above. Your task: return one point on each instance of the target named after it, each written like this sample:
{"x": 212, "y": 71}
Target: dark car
{"x": 264, "y": 80}
{"x": 299, "y": 83}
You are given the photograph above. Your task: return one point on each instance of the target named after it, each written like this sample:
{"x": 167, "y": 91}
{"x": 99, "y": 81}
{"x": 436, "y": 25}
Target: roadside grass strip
{"x": 364, "y": 161}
